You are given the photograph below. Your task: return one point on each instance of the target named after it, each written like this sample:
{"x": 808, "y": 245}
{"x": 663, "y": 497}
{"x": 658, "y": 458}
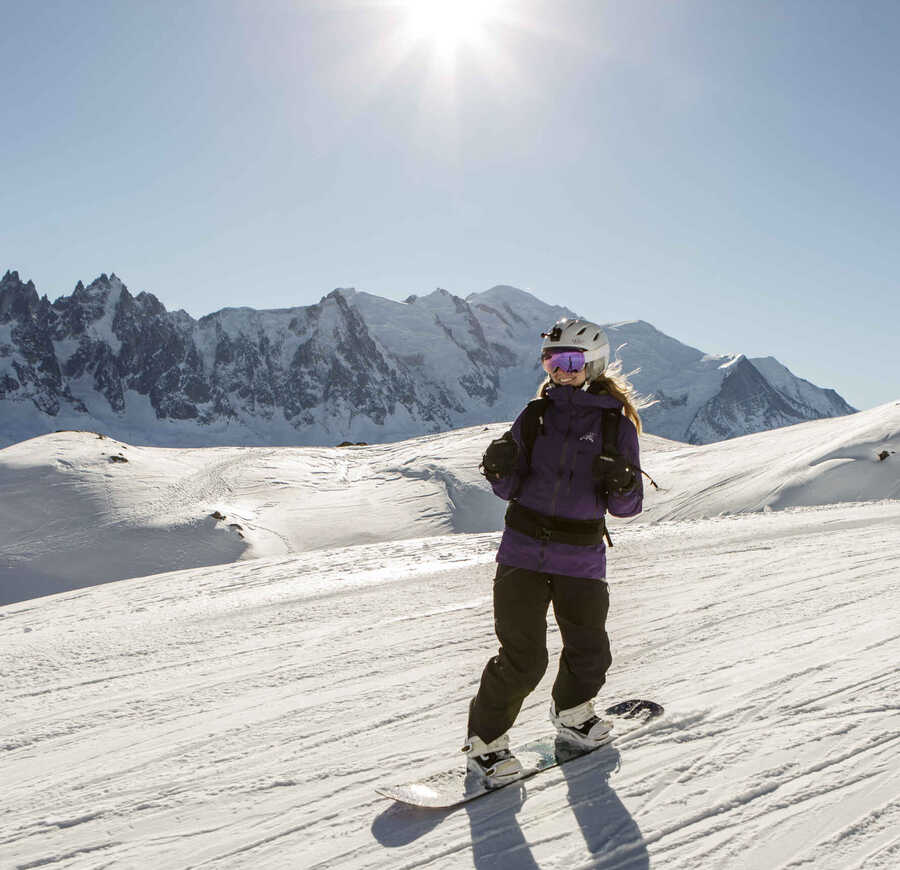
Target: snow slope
{"x": 240, "y": 716}
{"x": 816, "y": 463}
{"x": 239, "y": 712}
{"x": 160, "y": 510}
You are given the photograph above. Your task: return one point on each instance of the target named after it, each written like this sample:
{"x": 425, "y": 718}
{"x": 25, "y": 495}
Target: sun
{"x": 449, "y": 24}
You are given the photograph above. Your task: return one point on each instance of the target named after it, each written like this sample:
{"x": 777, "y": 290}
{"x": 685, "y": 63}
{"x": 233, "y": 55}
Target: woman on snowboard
{"x": 571, "y": 456}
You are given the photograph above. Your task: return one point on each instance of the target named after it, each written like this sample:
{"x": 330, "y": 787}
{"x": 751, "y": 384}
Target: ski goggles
{"x": 564, "y": 360}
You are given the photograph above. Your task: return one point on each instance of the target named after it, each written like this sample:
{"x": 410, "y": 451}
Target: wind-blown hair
{"x": 612, "y": 381}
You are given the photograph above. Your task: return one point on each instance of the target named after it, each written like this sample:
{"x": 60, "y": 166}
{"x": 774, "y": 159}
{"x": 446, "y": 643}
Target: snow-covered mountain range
{"x": 354, "y": 367}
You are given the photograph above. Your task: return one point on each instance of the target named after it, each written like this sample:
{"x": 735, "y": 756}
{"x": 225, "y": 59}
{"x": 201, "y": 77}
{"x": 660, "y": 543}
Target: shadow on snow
{"x": 611, "y": 835}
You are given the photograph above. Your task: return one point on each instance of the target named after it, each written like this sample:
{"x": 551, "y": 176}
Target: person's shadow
{"x": 497, "y": 839}
{"x": 611, "y": 835}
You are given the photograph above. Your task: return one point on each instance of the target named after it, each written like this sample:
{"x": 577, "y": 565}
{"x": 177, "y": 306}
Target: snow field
{"x": 108, "y": 520}
{"x": 241, "y": 715}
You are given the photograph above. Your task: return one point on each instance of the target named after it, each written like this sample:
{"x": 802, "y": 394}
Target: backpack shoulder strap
{"x": 609, "y": 428}
{"x": 610, "y": 431}
{"x": 532, "y": 424}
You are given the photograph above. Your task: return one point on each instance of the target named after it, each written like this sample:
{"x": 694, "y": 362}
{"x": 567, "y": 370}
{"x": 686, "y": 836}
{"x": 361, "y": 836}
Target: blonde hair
{"x": 612, "y": 381}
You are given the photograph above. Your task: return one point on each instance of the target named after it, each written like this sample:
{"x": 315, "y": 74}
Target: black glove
{"x": 614, "y": 473}
{"x": 499, "y": 459}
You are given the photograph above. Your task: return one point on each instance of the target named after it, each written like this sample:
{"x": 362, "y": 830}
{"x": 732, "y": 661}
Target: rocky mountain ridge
{"x": 353, "y": 366}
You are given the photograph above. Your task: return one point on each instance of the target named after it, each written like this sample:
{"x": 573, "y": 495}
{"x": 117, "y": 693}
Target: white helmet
{"x": 579, "y": 335}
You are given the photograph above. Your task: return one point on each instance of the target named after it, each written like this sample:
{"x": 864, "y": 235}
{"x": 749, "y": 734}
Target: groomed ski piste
{"x": 240, "y": 712}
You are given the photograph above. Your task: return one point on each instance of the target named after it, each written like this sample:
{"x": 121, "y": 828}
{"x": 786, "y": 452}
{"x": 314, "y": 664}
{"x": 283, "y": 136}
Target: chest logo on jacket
{"x": 588, "y": 436}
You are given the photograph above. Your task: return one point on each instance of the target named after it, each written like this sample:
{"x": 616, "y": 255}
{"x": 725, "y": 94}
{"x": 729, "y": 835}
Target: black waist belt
{"x": 580, "y": 533}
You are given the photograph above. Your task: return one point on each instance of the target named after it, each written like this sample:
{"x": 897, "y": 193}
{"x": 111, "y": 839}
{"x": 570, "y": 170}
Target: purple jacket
{"x": 559, "y": 482}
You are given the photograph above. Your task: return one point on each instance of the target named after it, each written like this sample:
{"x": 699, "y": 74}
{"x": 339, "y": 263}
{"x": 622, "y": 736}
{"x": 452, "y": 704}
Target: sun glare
{"x": 449, "y": 24}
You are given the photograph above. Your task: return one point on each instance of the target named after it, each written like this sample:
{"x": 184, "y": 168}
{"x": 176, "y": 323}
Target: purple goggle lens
{"x": 565, "y": 360}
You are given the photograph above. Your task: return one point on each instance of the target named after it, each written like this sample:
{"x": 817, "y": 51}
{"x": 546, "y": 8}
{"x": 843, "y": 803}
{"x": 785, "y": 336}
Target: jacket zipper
{"x": 562, "y": 463}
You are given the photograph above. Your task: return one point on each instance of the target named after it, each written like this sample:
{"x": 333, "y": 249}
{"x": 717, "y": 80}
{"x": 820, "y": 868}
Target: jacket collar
{"x": 564, "y": 396}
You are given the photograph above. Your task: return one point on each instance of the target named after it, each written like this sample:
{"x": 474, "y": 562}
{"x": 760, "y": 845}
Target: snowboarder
{"x": 571, "y": 456}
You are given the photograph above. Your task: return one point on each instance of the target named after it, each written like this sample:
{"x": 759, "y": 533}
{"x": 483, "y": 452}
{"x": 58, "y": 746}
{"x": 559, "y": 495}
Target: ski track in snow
{"x": 242, "y": 715}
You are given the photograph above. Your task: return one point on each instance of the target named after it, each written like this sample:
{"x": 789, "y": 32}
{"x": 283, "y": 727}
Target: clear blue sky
{"x": 728, "y": 171}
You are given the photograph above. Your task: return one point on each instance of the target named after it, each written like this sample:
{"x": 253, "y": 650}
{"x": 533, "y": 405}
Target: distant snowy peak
{"x": 517, "y": 309}
{"x": 699, "y": 397}
{"x": 354, "y": 366}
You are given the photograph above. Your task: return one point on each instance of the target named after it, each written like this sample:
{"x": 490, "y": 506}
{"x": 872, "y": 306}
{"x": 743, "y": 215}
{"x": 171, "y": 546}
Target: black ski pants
{"x": 521, "y": 599}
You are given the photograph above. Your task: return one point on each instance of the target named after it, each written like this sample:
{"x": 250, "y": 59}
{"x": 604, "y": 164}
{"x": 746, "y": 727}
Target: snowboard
{"x": 450, "y": 788}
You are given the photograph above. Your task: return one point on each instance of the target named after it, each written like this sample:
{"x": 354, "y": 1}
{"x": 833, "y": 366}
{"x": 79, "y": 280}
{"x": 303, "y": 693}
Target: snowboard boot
{"x": 492, "y": 761}
{"x": 581, "y": 725}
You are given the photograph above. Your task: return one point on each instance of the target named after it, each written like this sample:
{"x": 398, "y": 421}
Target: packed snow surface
{"x": 241, "y": 714}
